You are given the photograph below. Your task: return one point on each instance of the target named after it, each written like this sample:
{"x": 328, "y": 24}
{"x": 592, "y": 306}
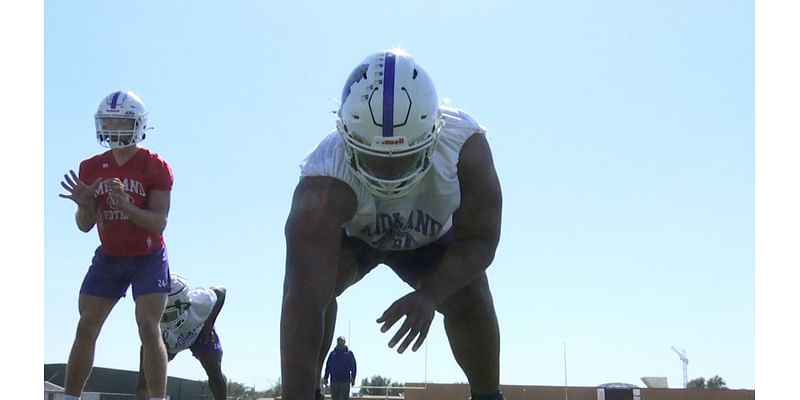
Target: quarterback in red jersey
{"x": 125, "y": 191}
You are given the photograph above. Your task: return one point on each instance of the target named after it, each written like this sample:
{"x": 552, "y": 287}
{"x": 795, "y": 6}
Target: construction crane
{"x": 685, "y": 361}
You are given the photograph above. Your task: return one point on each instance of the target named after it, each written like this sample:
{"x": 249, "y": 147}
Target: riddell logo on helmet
{"x": 392, "y": 141}
{"x": 112, "y": 109}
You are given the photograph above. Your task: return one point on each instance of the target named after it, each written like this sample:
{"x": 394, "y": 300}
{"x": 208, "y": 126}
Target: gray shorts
{"x": 109, "y": 277}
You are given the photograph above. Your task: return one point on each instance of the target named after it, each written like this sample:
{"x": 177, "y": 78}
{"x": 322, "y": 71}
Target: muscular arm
{"x": 85, "y": 217}
{"x": 154, "y": 217}
{"x": 208, "y": 324}
{"x": 313, "y": 238}
{"x": 212, "y": 317}
{"x": 320, "y": 207}
{"x": 476, "y": 224}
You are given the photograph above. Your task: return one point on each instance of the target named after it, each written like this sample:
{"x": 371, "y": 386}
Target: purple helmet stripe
{"x": 114, "y": 99}
{"x": 388, "y": 95}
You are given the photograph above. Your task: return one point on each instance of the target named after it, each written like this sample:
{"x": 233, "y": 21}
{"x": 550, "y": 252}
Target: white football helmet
{"x": 121, "y": 120}
{"x": 177, "y": 309}
{"x": 389, "y": 120}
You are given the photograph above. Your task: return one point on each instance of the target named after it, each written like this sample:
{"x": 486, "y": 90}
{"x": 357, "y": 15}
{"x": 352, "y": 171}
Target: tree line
{"x": 236, "y": 389}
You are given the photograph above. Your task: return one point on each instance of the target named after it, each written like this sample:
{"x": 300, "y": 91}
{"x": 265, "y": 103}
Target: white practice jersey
{"x": 420, "y": 217}
{"x": 201, "y": 302}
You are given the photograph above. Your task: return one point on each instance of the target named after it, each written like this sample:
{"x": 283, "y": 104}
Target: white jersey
{"x": 201, "y": 301}
{"x": 414, "y": 220}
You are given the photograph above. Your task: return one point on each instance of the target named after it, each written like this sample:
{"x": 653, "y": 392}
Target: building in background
{"x": 117, "y": 384}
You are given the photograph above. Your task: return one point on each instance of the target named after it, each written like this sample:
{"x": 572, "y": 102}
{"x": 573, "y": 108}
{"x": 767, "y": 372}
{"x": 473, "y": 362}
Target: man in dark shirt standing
{"x": 341, "y": 367}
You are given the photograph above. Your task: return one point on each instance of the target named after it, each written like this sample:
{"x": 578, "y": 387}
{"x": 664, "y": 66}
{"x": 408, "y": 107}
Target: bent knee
{"x": 89, "y": 326}
{"x": 149, "y": 330}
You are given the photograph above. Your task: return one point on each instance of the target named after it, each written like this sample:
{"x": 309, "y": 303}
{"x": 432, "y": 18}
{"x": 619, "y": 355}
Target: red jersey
{"x": 145, "y": 171}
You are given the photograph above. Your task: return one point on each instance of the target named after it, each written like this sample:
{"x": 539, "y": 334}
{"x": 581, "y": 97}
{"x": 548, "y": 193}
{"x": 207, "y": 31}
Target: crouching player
{"x": 188, "y": 323}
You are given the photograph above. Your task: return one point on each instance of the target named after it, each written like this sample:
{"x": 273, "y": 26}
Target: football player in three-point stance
{"x": 188, "y": 323}
{"x": 406, "y": 182}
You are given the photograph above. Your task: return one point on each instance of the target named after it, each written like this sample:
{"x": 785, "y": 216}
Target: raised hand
{"x": 79, "y": 192}
{"x": 418, "y": 310}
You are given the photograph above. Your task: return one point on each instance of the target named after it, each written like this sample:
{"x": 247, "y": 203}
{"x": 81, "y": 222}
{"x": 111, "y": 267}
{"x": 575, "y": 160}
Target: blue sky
{"x": 623, "y": 135}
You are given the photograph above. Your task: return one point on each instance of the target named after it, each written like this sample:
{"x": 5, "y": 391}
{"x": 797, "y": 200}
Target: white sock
{"x": 158, "y": 398}
{"x": 70, "y": 397}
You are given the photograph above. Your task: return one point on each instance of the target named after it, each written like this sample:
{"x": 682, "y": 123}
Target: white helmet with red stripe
{"x": 389, "y": 119}
{"x": 121, "y": 120}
